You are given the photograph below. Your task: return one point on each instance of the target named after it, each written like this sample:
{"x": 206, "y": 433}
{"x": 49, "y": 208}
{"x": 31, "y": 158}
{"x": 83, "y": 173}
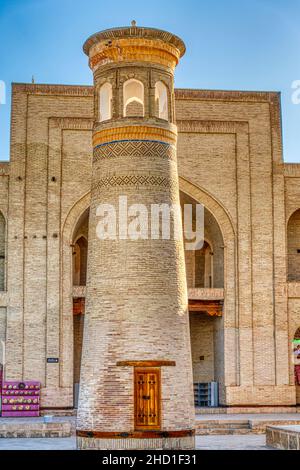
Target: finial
{"x": 32, "y": 80}
{"x": 133, "y": 23}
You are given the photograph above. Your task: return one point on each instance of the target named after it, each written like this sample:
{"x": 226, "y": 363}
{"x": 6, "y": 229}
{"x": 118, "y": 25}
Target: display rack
{"x": 20, "y": 399}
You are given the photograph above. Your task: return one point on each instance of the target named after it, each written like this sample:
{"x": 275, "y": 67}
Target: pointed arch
{"x": 228, "y": 342}
{"x": 72, "y": 221}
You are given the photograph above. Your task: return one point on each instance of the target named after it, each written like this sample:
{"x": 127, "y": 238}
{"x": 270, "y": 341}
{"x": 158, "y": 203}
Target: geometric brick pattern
{"x": 133, "y": 180}
{"x": 152, "y": 149}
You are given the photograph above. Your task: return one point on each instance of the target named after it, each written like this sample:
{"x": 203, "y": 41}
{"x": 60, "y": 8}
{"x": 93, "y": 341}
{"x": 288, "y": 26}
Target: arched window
{"x": 80, "y": 262}
{"x": 133, "y": 98}
{"x": 293, "y": 246}
{"x": 105, "y": 102}
{"x": 204, "y": 266}
{"x": 2, "y": 252}
{"x": 161, "y": 100}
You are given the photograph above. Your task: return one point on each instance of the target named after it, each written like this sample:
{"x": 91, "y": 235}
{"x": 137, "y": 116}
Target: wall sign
{"x": 52, "y": 360}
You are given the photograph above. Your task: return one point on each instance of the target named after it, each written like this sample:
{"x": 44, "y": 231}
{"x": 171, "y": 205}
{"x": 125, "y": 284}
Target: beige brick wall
{"x": 229, "y": 157}
{"x": 78, "y": 335}
{"x": 202, "y": 343}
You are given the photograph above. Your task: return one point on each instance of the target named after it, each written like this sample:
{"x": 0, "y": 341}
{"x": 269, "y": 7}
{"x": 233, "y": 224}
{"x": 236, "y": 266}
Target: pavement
{"x": 232, "y": 442}
{"x": 247, "y": 442}
{"x": 204, "y": 442}
{"x": 249, "y": 417}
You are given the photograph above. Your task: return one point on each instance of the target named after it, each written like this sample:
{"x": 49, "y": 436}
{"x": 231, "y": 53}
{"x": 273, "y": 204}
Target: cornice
{"x": 45, "y": 89}
{"x": 71, "y": 123}
{"x": 225, "y": 95}
{"x": 4, "y": 168}
{"x": 209, "y": 126}
{"x": 291, "y": 170}
{"x": 180, "y": 93}
{"x": 134, "y": 32}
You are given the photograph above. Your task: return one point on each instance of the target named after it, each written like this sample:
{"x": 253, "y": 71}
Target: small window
{"x": 105, "y": 102}
{"x": 161, "y": 101}
{"x": 133, "y": 97}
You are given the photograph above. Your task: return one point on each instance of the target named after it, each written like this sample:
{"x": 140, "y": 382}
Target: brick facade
{"x": 229, "y": 157}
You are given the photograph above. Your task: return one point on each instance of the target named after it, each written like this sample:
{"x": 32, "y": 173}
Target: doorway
{"x": 147, "y": 399}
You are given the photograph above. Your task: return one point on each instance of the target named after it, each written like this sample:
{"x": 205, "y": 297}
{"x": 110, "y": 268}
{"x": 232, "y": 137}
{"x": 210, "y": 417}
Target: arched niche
{"x": 293, "y": 247}
{"x": 105, "y": 102}
{"x": 161, "y": 101}
{"x": 133, "y": 98}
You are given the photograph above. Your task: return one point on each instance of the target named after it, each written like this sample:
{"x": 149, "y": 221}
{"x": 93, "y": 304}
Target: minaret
{"x": 136, "y": 372}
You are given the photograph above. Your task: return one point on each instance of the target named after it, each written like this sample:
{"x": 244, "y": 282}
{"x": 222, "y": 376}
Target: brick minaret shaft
{"x": 136, "y": 331}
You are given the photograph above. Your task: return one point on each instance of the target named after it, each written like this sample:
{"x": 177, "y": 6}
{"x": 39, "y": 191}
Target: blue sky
{"x": 231, "y": 45}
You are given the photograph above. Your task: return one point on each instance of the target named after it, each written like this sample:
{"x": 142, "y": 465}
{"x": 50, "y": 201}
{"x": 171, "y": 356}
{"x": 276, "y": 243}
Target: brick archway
{"x": 231, "y": 339}
{"x": 66, "y": 324}
{"x": 226, "y": 226}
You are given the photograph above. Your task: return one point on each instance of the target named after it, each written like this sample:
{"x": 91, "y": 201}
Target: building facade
{"x": 243, "y": 284}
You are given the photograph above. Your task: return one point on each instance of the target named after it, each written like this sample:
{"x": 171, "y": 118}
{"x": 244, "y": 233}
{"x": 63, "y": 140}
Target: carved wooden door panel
{"x": 147, "y": 398}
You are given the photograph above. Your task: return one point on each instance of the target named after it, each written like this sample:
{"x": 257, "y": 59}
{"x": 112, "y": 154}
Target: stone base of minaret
{"x": 123, "y": 443}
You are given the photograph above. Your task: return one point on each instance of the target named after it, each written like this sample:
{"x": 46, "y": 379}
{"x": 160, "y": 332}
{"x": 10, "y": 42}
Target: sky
{"x": 231, "y": 45}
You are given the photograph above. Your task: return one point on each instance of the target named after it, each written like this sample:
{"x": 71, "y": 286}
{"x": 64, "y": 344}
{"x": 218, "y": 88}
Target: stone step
{"x": 59, "y": 412}
{"x": 246, "y": 410}
{"x": 223, "y": 426}
{"x": 33, "y": 429}
{"x": 37, "y": 427}
{"x": 222, "y": 431}
{"x": 208, "y": 427}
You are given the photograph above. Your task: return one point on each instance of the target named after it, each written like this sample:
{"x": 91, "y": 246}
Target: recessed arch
{"x": 72, "y": 222}
{"x": 74, "y": 219}
{"x": 213, "y": 205}
{"x": 204, "y": 269}
{"x": 293, "y": 246}
{"x": 105, "y": 102}
{"x": 133, "y": 98}
{"x": 161, "y": 101}
{"x": 226, "y": 339}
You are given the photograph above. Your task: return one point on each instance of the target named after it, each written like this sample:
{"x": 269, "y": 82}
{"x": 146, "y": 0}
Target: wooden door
{"x": 147, "y": 398}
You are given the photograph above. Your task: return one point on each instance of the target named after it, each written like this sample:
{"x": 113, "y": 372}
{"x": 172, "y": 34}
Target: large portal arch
{"x": 229, "y": 367}
{"x": 230, "y": 375}
{"x": 66, "y": 345}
